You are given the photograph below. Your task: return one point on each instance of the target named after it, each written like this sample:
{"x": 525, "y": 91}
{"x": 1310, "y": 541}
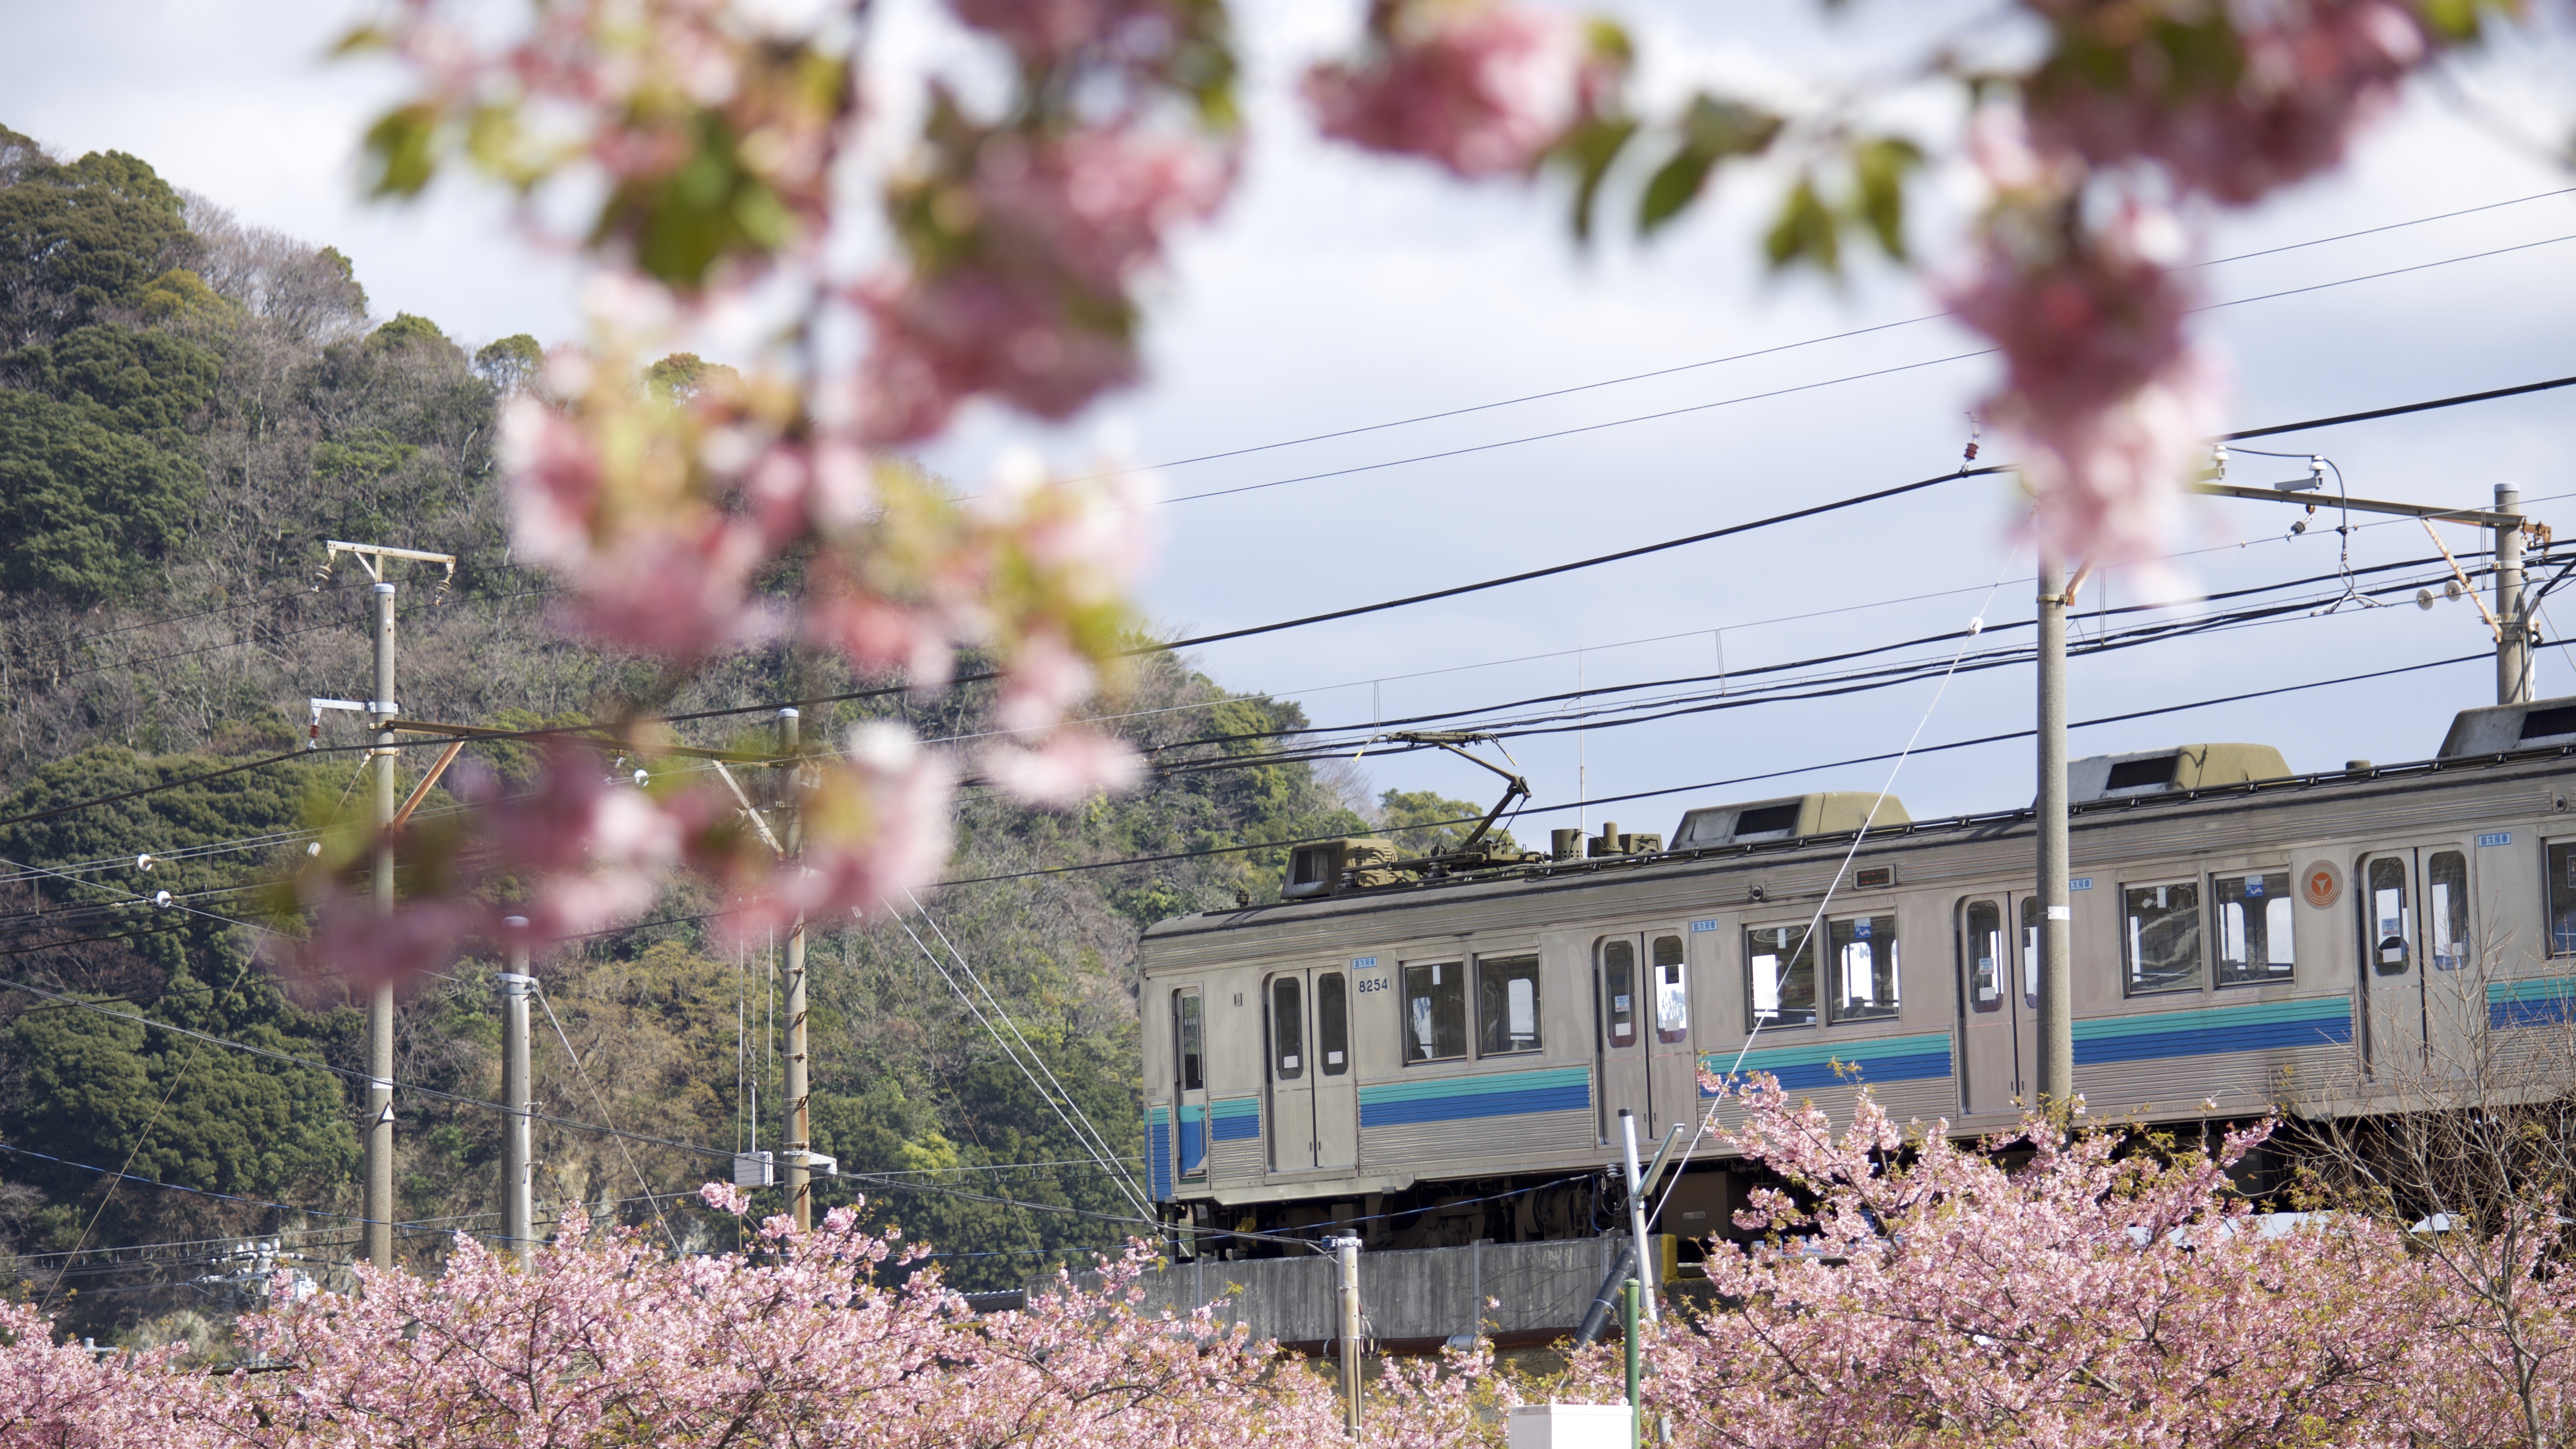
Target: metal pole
{"x": 1628, "y": 1323}
{"x": 800, "y": 1181}
{"x": 379, "y": 1206}
{"x": 1637, "y": 1204}
{"x": 2057, "y": 915}
{"x": 2513, "y": 632}
{"x": 518, "y": 1181}
{"x": 1348, "y": 1250}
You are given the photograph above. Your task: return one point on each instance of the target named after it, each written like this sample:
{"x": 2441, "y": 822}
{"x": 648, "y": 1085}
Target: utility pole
{"x": 518, "y": 1186}
{"x": 1347, "y": 1250}
{"x": 800, "y": 1176}
{"x": 2513, "y": 632}
{"x": 377, "y": 1198}
{"x": 2056, "y": 913}
{"x": 381, "y": 710}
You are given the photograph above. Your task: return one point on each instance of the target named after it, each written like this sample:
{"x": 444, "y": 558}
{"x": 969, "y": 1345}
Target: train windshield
{"x": 1185, "y": 1039}
{"x": 1333, "y": 1023}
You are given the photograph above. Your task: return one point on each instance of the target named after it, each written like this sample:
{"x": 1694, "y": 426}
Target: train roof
{"x": 2199, "y": 774}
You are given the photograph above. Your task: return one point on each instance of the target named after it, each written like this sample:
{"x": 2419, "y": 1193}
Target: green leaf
{"x": 1712, "y": 130}
{"x": 1805, "y": 232}
{"x": 1590, "y": 149}
{"x": 1879, "y": 169}
{"x": 399, "y": 151}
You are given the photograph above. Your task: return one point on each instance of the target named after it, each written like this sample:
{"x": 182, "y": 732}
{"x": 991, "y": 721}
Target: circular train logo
{"x": 2323, "y": 884}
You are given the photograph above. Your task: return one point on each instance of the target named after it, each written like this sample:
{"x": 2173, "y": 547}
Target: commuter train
{"x": 1436, "y": 1052}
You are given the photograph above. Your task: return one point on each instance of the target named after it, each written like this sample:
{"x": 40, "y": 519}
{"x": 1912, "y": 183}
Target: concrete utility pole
{"x": 800, "y": 1142}
{"x": 1347, "y": 1249}
{"x": 518, "y": 1183}
{"x": 379, "y": 1207}
{"x": 2513, "y": 631}
{"x": 2056, "y": 911}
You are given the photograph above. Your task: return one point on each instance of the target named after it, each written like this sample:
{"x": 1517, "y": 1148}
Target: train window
{"x": 2387, "y": 919}
{"x": 1863, "y": 950}
{"x": 2030, "y": 952}
{"x": 2446, "y": 906}
{"x": 1287, "y": 1030}
{"x": 1981, "y": 955}
{"x": 1619, "y": 983}
{"x": 1672, "y": 992}
{"x": 1333, "y": 1023}
{"x": 1780, "y": 972}
{"x": 1506, "y": 1004}
{"x": 2254, "y": 924}
{"x": 2562, "y": 898}
{"x": 2160, "y": 936}
{"x": 1185, "y": 1040}
{"x": 1435, "y": 1012}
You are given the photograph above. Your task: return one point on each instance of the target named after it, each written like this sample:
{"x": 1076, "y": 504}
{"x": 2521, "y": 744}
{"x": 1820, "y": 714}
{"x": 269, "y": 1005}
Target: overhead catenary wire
{"x": 1127, "y": 1185}
{"x": 1087, "y": 1134}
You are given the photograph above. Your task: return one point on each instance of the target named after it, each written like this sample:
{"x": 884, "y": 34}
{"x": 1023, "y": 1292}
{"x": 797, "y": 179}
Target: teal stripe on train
{"x": 1812, "y": 1064}
{"x": 1234, "y": 1118}
{"x": 2542, "y": 1001}
{"x": 1499, "y": 1094}
{"x": 2208, "y": 1031}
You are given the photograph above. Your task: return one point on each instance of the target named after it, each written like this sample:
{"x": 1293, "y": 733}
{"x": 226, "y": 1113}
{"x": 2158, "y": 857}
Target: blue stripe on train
{"x": 2545, "y": 1002}
{"x": 1876, "y": 1071}
{"x": 1158, "y": 1152}
{"x": 1572, "y": 1097}
{"x": 1234, "y": 1119}
{"x": 2206, "y": 1041}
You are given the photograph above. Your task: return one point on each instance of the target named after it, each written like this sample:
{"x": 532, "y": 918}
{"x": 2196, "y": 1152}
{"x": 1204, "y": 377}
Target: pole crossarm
{"x": 2483, "y": 518}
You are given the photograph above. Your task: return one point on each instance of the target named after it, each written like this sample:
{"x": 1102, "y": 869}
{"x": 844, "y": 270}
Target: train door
{"x": 1189, "y": 1086}
{"x": 2414, "y": 919}
{"x": 1991, "y": 1013}
{"x": 1673, "y": 1071}
{"x": 1619, "y": 1047}
{"x": 1312, "y": 1116}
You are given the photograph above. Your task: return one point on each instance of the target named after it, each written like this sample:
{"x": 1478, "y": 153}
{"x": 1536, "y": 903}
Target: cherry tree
{"x": 714, "y": 161}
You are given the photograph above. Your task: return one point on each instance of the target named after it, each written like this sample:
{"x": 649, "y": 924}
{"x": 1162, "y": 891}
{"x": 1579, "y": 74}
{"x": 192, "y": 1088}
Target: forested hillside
{"x": 188, "y": 406}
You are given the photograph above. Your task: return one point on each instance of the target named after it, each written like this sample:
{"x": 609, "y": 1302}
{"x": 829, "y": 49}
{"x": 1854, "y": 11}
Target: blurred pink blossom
{"x": 2313, "y": 71}
{"x": 1075, "y": 763}
{"x": 1022, "y": 292}
{"x": 1483, "y": 87}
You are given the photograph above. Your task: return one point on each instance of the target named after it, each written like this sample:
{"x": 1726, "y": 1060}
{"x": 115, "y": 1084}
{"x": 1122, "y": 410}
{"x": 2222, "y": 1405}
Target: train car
{"x": 1438, "y": 1055}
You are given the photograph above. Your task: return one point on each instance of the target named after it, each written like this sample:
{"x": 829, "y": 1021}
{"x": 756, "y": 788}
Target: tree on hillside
{"x": 1408, "y": 818}
{"x": 84, "y": 511}
{"x": 79, "y": 240}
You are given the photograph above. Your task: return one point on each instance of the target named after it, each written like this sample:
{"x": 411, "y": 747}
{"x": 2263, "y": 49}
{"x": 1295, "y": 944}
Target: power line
{"x": 1769, "y": 351}
{"x": 1825, "y": 383}
{"x": 1716, "y": 784}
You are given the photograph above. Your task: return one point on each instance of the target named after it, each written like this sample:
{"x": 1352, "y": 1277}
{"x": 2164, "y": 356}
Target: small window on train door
{"x": 2160, "y": 937}
{"x": 1619, "y": 990}
{"x": 1333, "y": 1023}
{"x": 1780, "y": 975}
{"x": 1287, "y": 1030}
{"x": 2446, "y": 909}
{"x": 2562, "y": 898}
{"x": 2253, "y": 924}
{"x": 1506, "y": 1005}
{"x": 1186, "y": 1040}
{"x": 2030, "y": 916}
{"x": 1982, "y": 962}
{"x": 1672, "y": 991}
{"x": 1435, "y": 1012}
{"x": 2387, "y": 916}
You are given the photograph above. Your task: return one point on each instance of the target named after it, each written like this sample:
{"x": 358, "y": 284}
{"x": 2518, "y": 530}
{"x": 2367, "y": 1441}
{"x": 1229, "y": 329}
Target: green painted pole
{"x": 1628, "y": 1330}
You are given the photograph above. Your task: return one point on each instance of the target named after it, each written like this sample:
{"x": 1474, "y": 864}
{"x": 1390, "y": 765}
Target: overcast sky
{"x": 1340, "y": 292}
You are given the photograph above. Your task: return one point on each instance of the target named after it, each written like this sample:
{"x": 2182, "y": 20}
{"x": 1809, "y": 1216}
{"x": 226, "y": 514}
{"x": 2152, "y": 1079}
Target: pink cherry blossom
{"x": 1070, "y": 767}
{"x": 1483, "y": 87}
{"x": 2310, "y": 74}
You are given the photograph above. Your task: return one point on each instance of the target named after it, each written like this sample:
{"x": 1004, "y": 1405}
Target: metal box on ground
{"x": 1567, "y": 1426}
